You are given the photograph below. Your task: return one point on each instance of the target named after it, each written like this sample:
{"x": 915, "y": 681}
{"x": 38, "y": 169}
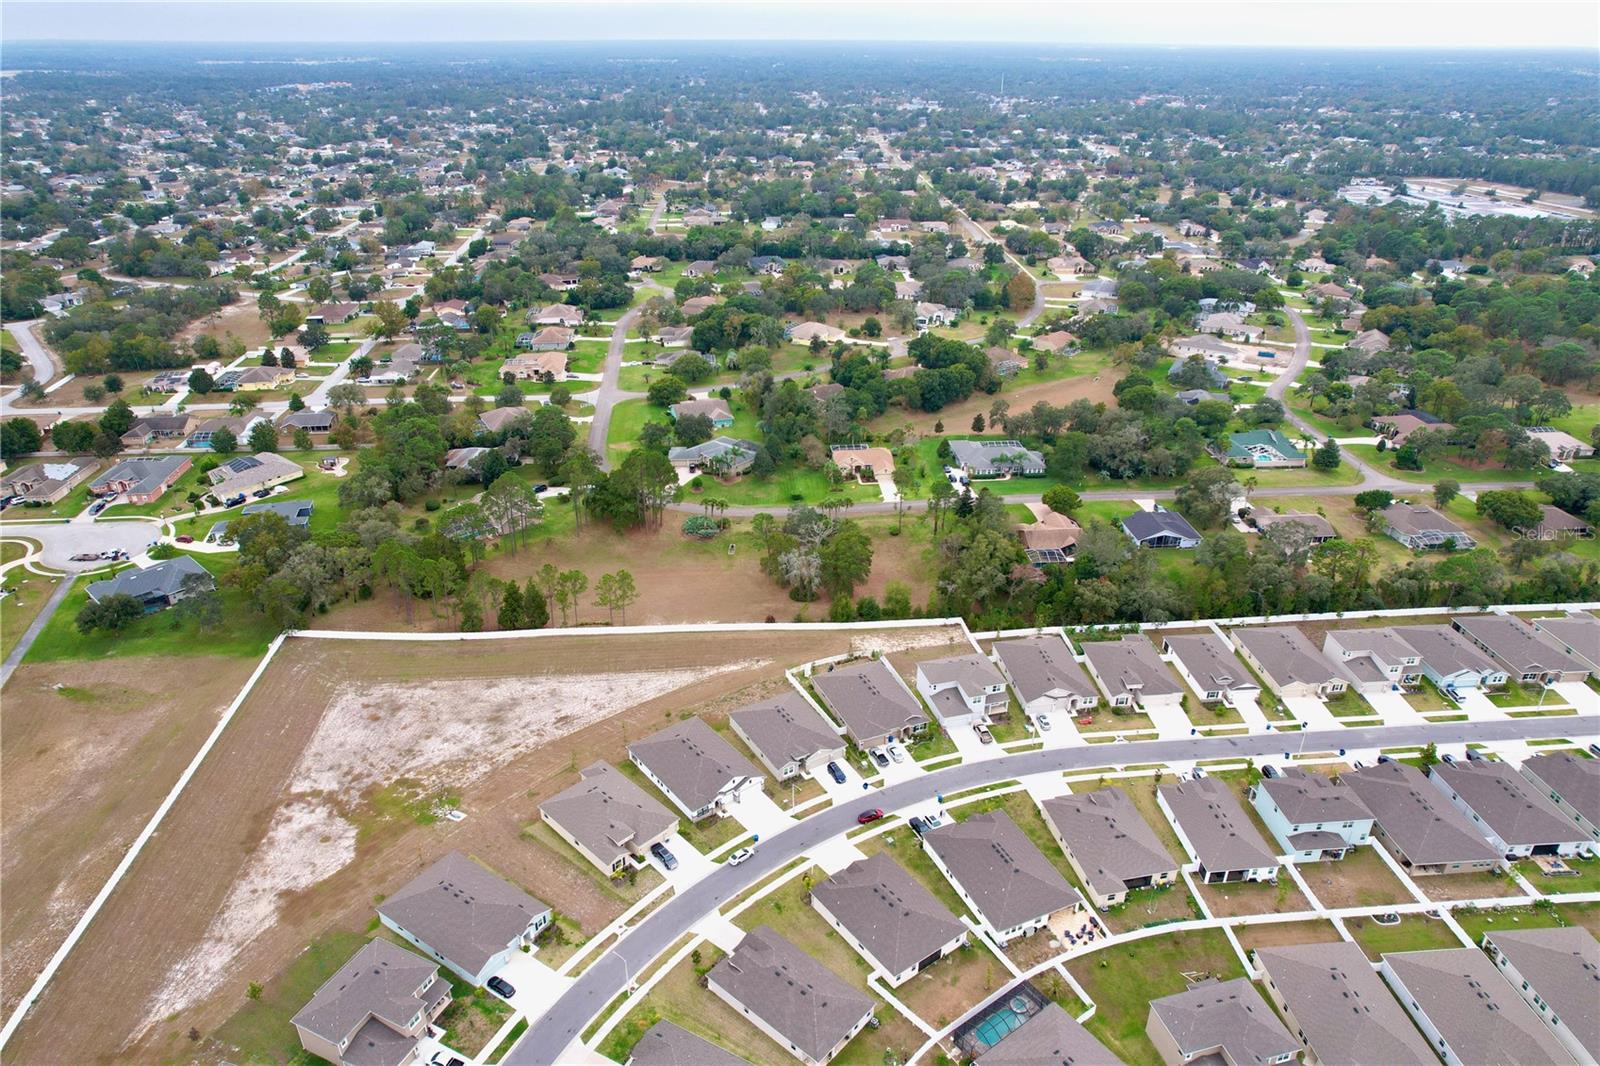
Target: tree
{"x": 624, "y": 593}
{"x": 19, "y": 436}
{"x": 1510, "y": 508}
{"x": 846, "y": 560}
{"x": 72, "y": 437}
{"x": 1020, "y": 291}
{"x": 389, "y": 319}
{"x": 1327, "y": 456}
{"x": 347, "y": 394}
{"x": 977, "y": 422}
{"x": 667, "y": 390}
{"x": 1062, "y": 500}
{"x": 1444, "y": 491}
{"x": 224, "y": 441}
{"x": 263, "y": 438}
{"x": 314, "y": 336}
{"x": 1207, "y": 496}
{"x": 570, "y": 585}
{"x": 1373, "y": 499}
{"x": 511, "y": 614}
{"x": 201, "y": 381}
{"x": 118, "y": 418}
{"x": 110, "y": 614}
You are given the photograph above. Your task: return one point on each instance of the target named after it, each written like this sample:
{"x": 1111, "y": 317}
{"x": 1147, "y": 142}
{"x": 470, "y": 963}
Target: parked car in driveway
{"x": 896, "y": 751}
{"x": 879, "y": 756}
{"x": 184, "y": 538}
{"x": 663, "y": 856}
{"x": 1043, "y": 722}
{"x": 869, "y": 816}
{"x": 918, "y": 825}
{"x": 501, "y": 987}
{"x": 983, "y": 733}
{"x": 740, "y": 856}
{"x": 836, "y": 773}
{"x": 1269, "y": 771}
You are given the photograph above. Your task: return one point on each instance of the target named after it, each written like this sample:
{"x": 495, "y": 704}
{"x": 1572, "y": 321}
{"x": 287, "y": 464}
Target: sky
{"x": 1359, "y": 24}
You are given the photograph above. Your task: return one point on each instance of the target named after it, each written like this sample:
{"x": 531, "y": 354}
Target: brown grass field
{"x": 320, "y": 735}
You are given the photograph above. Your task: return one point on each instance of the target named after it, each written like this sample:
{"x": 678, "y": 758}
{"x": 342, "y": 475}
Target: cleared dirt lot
{"x": 320, "y": 797}
{"x": 82, "y": 768}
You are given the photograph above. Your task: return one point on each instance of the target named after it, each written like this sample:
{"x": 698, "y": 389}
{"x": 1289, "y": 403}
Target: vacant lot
{"x": 323, "y": 794}
{"x": 1467, "y": 886}
{"x": 1360, "y": 879}
{"x": 1249, "y": 897}
{"x": 1279, "y": 934}
{"x": 87, "y": 751}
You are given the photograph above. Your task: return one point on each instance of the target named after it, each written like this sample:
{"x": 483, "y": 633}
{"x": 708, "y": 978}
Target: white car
{"x": 455, "y": 815}
{"x": 1043, "y": 722}
{"x": 897, "y": 751}
{"x": 740, "y": 856}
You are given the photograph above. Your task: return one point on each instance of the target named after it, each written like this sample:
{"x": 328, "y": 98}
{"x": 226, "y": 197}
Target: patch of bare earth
{"x": 284, "y": 835}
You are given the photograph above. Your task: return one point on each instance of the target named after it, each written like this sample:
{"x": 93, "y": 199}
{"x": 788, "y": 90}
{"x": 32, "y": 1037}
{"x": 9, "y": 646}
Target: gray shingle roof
{"x": 971, "y": 673}
{"x": 1212, "y": 664}
{"x": 380, "y": 981}
{"x": 1416, "y": 816}
{"x": 1304, "y": 798}
{"x": 1340, "y": 1004}
{"x": 1576, "y": 780}
{"x": 1287, "y": 656}
{"x": 608, "y": 814}
{"x": 1131, "y": 666}
{"x": 1579, "y": 631}
{"x": 785, "y": 728}
{"x": 463, "y": 912}
{"x": 158, "y": 580}
{"x": 1216, "y": 826}
{"x": 1507, "y": 803}
{"x": 1008, "y": 879}
{"x": 868, "y": 698}
{"x": 791, "y": 991}
{"x": 1050, "y": 1038}
{"x": 1109, "y": 838}
{"x": 1517, "y": 644}
{"x": 144, "y": 474}
{"x": 1475, "y": 1009}
{"x": 888, "y": 911}
{"x": 1445, "y": 651}
{"x": 1142, "y": 525}
{"x": 1229, "y": 1015}
{"x": 666, "y": 1044}
{"x": 693, "y": 761}
{"x": 1563, "y": 968}
{"x": 1043, "y": 666}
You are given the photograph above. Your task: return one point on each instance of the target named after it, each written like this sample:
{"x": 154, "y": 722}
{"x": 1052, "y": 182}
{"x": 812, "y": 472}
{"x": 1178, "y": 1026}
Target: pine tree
{"x": 511, "y": 614}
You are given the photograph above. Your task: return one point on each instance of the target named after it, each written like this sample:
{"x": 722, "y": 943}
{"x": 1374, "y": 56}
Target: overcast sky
{"x": 1308, "y": 23}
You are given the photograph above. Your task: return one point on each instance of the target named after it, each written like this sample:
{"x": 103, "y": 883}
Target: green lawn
{"x": 1587, "y": 880}
{"x": 1477, "y": 922}
{"x": 1435, "y": 469}
{"x": 241, "y": 632}
{"x": 787, "y": 486}
{"x": 1414, "y": 933}
{"x": 1123, "y": 979}
{"x": 627, "y": 420}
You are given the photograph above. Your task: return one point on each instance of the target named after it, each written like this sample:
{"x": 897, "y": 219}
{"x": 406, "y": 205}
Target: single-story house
{"x": 1556, "y": 524}
{"x": 252, "y": 473}
{"x": 1564, "y": 447}
{"x": 1229, "y": 324}
{"x": 1557, "y": 972}
{"x": 1160, "y": 528}
{"x": 49, "y": 481}
{"x": 262, "y": 378}
{"x": 1319, "y": 528}
{"x": 1205, "y": 348}
{"x": 1045, "y": 676}
{"x": 1450, "y": 660}
{"x": 1208, "y": 664}
{"x": 787, "y": 734}
{"x": 1311, "y": 816}
{"x": 668, "y": 1044}
{"x": 308, "y": 420}
{"x": 1378, "y": 658}
{"x": 1399, "y": 426}
{"x": 1109, "y": 845}
{"x": 963, "y": 690}
{"x": 1056, "y": 342}
{"x": 499, "y": 419}
{"x": 713, "y": 407}
{"x": 1050, "y": 1036}
{"x": 536, "y": 366}
{"x": 674, "y": 337}
{"x": 806, "y": 332}
{"x": 857, "y": 460}
{"x": 1370, "y": 341}
{"x": 157, "y": 586}
{"x": 1212, "y": 826}
{"x": 1050, "y": 537}
{"x": 998, "y": 872}
{"x": 1005, "y": 361}
{"x": 1573, "y": 785}
{"x": 462, "y": 458}
{"x": 932, "y": 314}
{"x": 1420, "y": 527}
{"x": 721, "y": 456}
{"x": 1467, "y": 1009}
{"x": 1218, "y": 1021}
{"x": 335, "y": 314}
{"x": 1131, "y": 673}
{"x": 888, "y": 917}
{"x": 1288, "y": 661}
{"x": 1417, "y": 824}
{"x": 147, "y": 429}
{"x": 467, "y": 918}
{"x": 610, "y": 820}
{"x": 871, "y": 701}
{"x": 375, "y": 1009}
{"x": 556, "y": 315}
{"x": 204, "y": 434}
{"x": 1331, "y": 996}
{"x": 791, "y": 997}
{"x": 700, "y": 268}
{"x": 1515, "y": 817}
{"x": 1263, "y": 449}
{"x": 996, "y": 458}
{"x": 1528, "y": 655}
{"x": 548, "y": 339}
{"x": 695, "y": 768}
{"x": 141, "y": 480}
{"x": 295, "y": 512}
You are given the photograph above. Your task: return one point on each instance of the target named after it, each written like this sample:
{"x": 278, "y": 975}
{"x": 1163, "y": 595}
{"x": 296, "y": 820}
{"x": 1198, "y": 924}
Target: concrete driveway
{"x": 756, "y": 811}
{"x": 692, "y": 865}
{"x": 1312, "y": 711}
{"x": 1394, "y": 707}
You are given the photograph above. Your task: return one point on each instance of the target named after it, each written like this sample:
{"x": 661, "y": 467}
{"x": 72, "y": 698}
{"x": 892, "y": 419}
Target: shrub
{"x": 700, "y": 527}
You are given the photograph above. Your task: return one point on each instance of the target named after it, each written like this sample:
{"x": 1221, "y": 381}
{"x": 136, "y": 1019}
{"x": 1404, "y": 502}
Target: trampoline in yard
{"x": 999, "y": 1018}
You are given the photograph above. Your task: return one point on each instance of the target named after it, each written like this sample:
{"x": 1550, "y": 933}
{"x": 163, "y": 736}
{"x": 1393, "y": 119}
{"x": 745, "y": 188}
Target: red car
{"x": 869, "y": 816}
{"x": 184, "y": 538}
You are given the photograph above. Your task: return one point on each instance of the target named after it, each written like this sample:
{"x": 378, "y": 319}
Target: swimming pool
{"x": 1001, "y": 1021}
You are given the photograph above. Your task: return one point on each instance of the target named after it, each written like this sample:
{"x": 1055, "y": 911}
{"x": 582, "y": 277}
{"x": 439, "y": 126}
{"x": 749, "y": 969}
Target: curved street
{"x": 549, "y": 1036}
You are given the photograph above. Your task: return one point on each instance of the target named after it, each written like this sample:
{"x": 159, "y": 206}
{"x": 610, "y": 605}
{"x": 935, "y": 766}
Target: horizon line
{"x": 1188, "y": 46}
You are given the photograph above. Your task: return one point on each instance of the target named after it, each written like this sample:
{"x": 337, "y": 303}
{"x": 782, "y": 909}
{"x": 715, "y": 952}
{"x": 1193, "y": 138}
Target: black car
{"x": 1269, "y": 771}
{"x": 836, "y": 773}
{"x": 665, "y": 857}
{"x": 918, "y": 825}
{"x": 501, "y": 987}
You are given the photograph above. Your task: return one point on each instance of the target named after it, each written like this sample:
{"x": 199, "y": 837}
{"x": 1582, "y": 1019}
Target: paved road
{"x": 549, "y": 1036}
{"x": 59, "y": 541}
{"x": 1279, "y": 389}
{"x": 610, "y": 391}
{"x": 8, "y": 667}
{"x": 37, "y": 355}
